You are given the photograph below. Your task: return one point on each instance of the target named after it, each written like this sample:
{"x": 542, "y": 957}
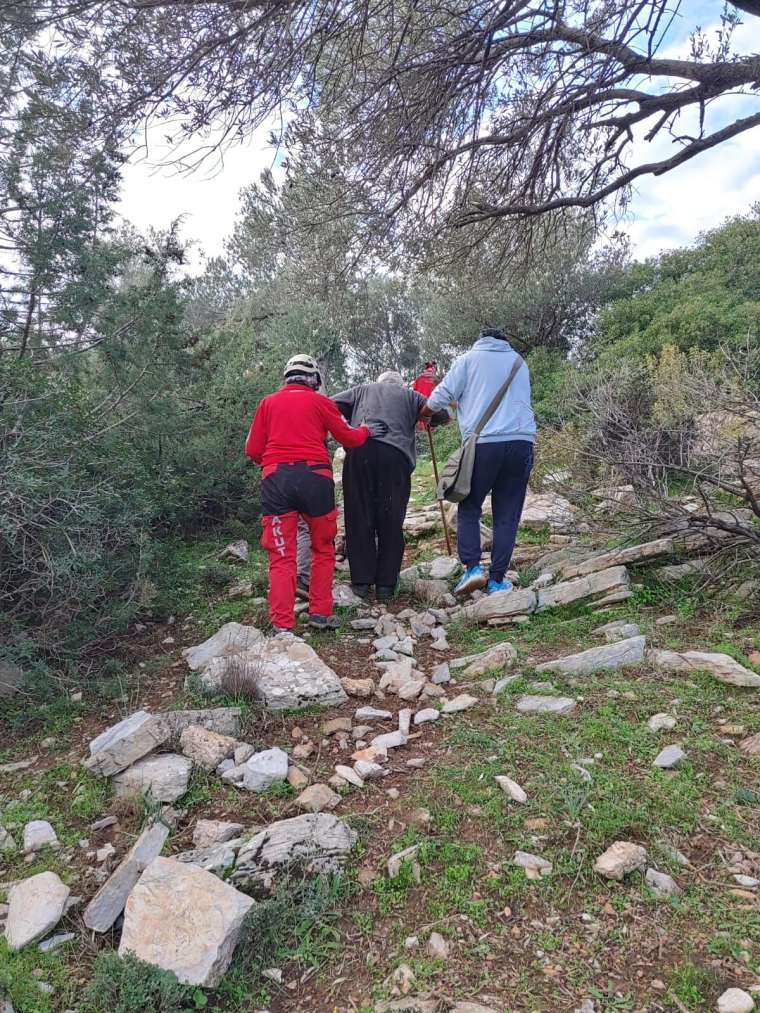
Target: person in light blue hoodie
{"x": 503, "y": 456}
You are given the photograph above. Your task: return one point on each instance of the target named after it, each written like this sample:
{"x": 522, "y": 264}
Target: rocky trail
{"x": 543, "y": 799}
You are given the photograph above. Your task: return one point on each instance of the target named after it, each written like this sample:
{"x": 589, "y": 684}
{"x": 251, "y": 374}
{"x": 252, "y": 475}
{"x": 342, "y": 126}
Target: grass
{"x": 21, "y": 974}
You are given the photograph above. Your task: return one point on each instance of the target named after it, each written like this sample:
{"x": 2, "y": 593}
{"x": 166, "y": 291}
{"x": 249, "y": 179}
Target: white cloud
{"x": 155, "y": 193}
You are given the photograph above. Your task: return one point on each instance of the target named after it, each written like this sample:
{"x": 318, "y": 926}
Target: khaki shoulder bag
{"x": 456, "y": 477}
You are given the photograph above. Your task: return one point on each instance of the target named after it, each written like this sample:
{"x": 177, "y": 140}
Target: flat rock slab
{"x": 125, "y": 743}
{"x": 222, "y": 720}
{"x": 108, "y": 903}
{"x": 460, "y": 703}
{"x": 669, "y": 757}
{"x": 206, "y": 749}
{"x": 183, "y": 919}
{"x": 231, "y": 639}
{"x": 619, "y": 859}
{"x": 441, "y": 674}
{"x": 751, "y": 745}
{"x": 545, "y": 705}
{"x": 595, "y": 587}
{"x": 618, "y": 557}
{"x": 283, "y": 673}
{"x": 314, "y": 843}
{"x": 262, "y": 770}
{"x": 317, "y": 798}
{"x": 443, "y": 567}
{"x": 215, "y": 859}
{"x": 661, "y": 885}
{"x": 210, "y": 832}
{"x": 720, "y": 666}
{"x": 372, "y": 714}
{"x": 496, "y": 658}
{"x": 615, "y": 655}
{"x": 502, "y": 605}
{"x": 164, "y": 777}
{"x": 35, "y": 906}
{"x": 39, "y": 834}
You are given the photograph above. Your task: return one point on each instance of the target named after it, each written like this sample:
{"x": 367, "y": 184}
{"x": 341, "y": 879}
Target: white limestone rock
{"x": 511, "y": 788}
{"x": 217, "y": 858}
{"x": 39, "y": 834}
{"x": 615, "y": 655}
{"x": 123, "y": 744}
{"x": 669, "y": 757}
{"x": 496, "y": 658}
{"x": 317, "y": 798}
{"x": 315, "y": 843}
{"x": 35, "y": 906}
{"x": 108, "y": 903}
{"x": 661, "y": 885}
{"x": 545, "y": 705}
{"x": 210, "y": 832}
{"x": 183, "y": 919}
{"x": 720, "y": 666}
{"x": 206, "y": 749}
{"x": 535, "y": 866}
{"x": 735, "y": 1000}
{"x": 661, "y": 722}
{"x": 283, "y": 673}
{"x": 264, "y": 769}
{"x": 619, "y": 859}
{"x": 596, "y": 588}
{"x": 164, "y": 777}
{"x": 231, "y": 639}
{"x": 460, "y": 703}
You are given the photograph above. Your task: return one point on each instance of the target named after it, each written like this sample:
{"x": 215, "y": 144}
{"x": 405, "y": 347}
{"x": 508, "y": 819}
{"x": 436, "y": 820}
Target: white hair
{"x": 391, "y": 376}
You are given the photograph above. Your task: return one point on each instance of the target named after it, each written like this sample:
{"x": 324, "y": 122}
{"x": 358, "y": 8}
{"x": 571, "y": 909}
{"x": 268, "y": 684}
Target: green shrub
{"x": 128, "y": 985}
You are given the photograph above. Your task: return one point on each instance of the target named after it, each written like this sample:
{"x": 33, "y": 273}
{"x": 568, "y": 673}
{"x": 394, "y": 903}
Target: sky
{"x": 665, "y": 212}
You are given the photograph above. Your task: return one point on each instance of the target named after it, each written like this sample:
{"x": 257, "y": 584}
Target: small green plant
{"x": 691, "y": 985}
{"x": 128, "y": 985}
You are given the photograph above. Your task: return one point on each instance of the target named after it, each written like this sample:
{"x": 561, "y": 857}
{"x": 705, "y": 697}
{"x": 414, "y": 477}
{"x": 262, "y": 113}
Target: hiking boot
{"x": 384, "y": 593}
{"x": 302, "y": 590}
{"x": 498, "y": 585}
{"x": 361, "y": 590}
{"x": 281, "y": 629}
{"x": 323, "y": 622}
{"x": 473, "y": 579}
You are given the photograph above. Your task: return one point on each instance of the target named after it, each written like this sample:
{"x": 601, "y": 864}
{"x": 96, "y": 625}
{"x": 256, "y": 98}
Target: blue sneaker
{"x": 473, "y": 579}
{"x": 498, "y": 585}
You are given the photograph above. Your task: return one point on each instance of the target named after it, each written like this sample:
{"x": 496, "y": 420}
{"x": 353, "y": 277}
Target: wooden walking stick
{"x": 440, "y": 501}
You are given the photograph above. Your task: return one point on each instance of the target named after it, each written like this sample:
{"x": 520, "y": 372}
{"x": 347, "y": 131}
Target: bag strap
{"x": 499, "y": 396}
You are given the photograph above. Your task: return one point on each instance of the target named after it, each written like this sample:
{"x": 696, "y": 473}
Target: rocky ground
{"x": 543, "y": 800}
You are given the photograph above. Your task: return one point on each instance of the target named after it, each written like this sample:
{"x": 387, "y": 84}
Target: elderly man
{"x": 377, "y": 480}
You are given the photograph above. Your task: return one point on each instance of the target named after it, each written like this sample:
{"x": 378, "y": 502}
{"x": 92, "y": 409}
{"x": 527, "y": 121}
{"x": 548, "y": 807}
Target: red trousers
{"x": 279, "y": 539}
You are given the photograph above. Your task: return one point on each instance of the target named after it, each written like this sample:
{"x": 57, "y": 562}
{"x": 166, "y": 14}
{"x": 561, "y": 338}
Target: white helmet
{"x": 301, "y": 365}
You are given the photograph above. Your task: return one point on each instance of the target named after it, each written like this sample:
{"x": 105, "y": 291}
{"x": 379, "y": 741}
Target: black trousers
{"x": 377, "y": 481}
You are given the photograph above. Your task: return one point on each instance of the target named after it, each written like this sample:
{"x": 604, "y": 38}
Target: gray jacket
{"x": 399, "y": 407}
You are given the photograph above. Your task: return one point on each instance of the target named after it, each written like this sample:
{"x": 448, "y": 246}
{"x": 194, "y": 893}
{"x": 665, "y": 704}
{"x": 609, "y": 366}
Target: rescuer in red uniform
{"x": 287, "y": 439}
{"x": 425, "y": 383}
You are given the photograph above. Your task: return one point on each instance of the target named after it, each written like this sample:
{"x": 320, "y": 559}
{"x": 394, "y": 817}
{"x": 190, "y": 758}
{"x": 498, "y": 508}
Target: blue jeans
{"x": 503, "y": 469}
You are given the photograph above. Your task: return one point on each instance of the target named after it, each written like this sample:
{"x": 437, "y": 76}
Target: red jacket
{"x": 292, "y": 425}
{"x": 424, "y": 383}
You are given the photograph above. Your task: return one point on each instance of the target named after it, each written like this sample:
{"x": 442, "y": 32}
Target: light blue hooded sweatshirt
{"x": 472, "y": 382}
